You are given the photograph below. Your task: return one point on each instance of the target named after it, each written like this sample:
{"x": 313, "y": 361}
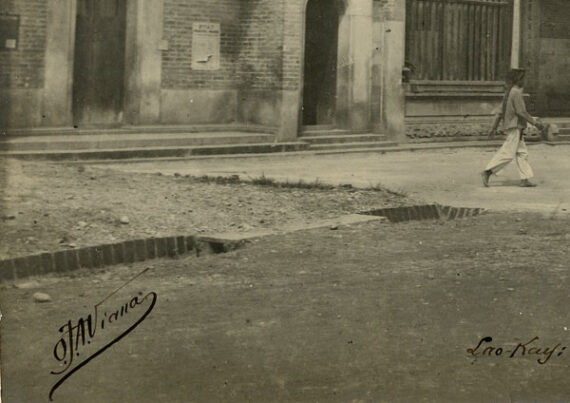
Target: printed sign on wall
{"x": 205, "y": 46}
{"x": 9, "y": 25}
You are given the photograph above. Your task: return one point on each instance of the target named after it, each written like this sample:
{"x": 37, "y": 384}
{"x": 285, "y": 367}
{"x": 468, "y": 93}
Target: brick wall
{"x": 261, "y": 53}
{"x": 24, "y": 67}
{"x": 177, "y": 60}
{"x": 292, "y": 44}
{"x": 251, "y": 49}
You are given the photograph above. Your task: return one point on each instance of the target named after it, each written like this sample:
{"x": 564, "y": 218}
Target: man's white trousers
{"x": 514, "y": 148}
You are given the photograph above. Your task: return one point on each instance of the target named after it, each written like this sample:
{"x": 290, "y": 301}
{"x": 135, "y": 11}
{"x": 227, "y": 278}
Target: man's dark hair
{"x": 514, "y": 76}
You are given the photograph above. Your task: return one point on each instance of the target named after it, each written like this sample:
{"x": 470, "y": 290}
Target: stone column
{"x": 393, "y": 100}
{"x": 143, "y": 65}
{"x": 58, "y": 76}
{"x": 516, "y": 41}
{"x": 354, "y": 66}
{"x": 290, "y": 94}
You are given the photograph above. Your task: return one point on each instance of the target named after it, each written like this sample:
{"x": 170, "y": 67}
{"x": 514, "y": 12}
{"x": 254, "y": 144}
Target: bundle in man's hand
{"x": 546, "y": 132}
{"x": 549, "y": 131}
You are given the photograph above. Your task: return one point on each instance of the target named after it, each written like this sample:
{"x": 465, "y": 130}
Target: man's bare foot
{"x": 525, "y": 183}
{"x": 485, "y": 175}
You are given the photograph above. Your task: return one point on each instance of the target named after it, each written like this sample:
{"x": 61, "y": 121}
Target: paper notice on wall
{"x": 9, "y": 30}
{"x": 205, "y": 46}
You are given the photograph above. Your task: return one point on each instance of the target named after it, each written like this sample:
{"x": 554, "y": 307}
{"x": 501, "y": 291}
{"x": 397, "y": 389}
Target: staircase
{"x": 563, "y": 124}
{"x": 140, "y": 142}
{"x": 328, "y": 139}
{"x": 182, "y": 142}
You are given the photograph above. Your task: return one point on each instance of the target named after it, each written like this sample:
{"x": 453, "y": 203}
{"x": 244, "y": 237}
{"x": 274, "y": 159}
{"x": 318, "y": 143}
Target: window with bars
{"x": 458, "y": 40}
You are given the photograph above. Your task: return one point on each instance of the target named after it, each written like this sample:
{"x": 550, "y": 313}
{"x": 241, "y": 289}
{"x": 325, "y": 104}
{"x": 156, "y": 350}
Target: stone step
{"x": 152, "y": 129}
{"x": 372, "y": 145}
{"x": 108, "y": 141}
{"x": 318, "y": 127}
{"x": 562, "y": 123}
{"x": 454, "y": 139}
{"x": 331, "y": 132}
{"x": 350, "y": 138}
{"x": 158, "y": 152}
{"x": 563, "y": 139}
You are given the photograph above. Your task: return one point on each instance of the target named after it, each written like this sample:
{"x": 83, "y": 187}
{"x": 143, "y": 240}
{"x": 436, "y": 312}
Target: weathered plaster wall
{"x": 58, "y": 77}
{"x": 22, "y": 69}
{"x": 143, "y": 61}
{"x": 554, "y": 55}
{"x": 354, "y": 67}
{"x": 546, "y": 55}
{"x": 388, "y": 50}
{"x": 530, "y": 48}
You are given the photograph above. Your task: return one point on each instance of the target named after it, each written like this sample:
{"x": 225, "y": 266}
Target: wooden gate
{"x": 99, "y": 65}
{"x": 467, "y": 40}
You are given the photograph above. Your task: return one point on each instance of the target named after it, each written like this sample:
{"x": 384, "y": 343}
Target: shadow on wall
{"x": 259, "y": 53}
{"x": 3, "y": 186}
{"x": 259, "y": 62}
{"x": 4, "y": 113}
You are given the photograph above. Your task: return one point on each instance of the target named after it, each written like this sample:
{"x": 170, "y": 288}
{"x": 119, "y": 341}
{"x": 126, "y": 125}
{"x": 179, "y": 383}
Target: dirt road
{"x": 372, "y": 313}
{"x": 48, "y": 207}
{"x": 444, "y": 176}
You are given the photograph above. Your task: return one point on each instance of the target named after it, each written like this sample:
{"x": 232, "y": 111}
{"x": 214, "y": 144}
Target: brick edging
{"x": 139, "y": 250}
{"x": 124, "y": 252}
{"x": 424, "y": 212}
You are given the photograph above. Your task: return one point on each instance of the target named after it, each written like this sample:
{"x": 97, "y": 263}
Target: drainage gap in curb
{"x": 424, "y": 212}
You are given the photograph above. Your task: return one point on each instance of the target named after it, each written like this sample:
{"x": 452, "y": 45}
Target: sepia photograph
{"x": 284, "y": 201}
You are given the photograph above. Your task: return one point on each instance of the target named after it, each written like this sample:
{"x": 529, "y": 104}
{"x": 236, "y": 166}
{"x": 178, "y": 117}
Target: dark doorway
{"x": 99, "y": 65}
{"x": 321, "y": 43}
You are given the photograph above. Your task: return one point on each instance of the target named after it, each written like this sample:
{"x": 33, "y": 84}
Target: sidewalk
{"x": 446, "y": 176}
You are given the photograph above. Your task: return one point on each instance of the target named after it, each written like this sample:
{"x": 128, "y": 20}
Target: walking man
{"x": 515, "y": 117}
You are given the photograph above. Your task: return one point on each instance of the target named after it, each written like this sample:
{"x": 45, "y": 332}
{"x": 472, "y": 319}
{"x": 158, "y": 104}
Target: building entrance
{"x": 320, "y": 69}
{"x": 99, "y": 62}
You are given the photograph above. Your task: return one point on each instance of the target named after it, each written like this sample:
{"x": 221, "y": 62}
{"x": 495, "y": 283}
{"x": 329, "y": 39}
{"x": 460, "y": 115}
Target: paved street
{"x": 443, "y": 176}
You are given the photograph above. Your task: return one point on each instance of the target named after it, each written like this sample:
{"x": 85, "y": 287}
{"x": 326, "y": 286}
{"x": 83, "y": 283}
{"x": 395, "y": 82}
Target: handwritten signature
{"x": 528, "y": 349}
{"x": 76, "y": 335}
